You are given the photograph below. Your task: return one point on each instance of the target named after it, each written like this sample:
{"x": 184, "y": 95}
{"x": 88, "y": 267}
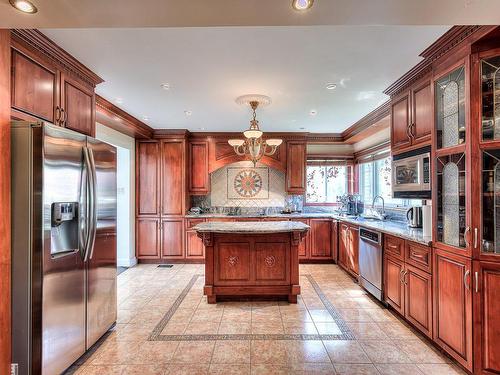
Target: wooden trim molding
{"x": 39, "y": 42}
{"x": 5, "y": 255}
{"x": 453, "y": 38}
{"x": 321, "y": 138}
{"x": 171, "y": 133}
{"x": 371, "y": 118}
{"x": 110, "y": 115}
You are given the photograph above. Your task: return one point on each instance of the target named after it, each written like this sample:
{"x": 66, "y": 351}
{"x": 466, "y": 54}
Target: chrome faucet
{"x": 382, "y": 214}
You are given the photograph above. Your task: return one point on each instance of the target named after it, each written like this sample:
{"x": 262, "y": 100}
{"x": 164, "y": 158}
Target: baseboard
{"x": 126, "y": 262}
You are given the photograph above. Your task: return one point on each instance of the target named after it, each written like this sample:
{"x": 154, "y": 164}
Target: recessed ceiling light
{"x": 313, "y": 112}
{"x": 331, "y": 86}
{"x": 188, "y": 113}
{"x": 165, "y": 86}
{"x": 302, "y": 4}
{"x": 145, "y": 118}
{"x": 201, "y": 128}
{"x": 119, "y": 100}
{"x": 24, "y": 6}
{"x": 302, "y": 128}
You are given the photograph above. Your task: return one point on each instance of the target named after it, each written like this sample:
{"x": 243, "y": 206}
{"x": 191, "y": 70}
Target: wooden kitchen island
{"x": 245, "y": 259}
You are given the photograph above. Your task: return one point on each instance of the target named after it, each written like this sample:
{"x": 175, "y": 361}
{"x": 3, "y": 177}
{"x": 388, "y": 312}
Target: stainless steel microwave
{"x": 411, "y": 174}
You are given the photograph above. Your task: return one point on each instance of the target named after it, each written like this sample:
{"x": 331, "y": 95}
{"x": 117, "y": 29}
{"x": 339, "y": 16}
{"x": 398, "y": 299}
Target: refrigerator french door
{"x": 63, "y": 245}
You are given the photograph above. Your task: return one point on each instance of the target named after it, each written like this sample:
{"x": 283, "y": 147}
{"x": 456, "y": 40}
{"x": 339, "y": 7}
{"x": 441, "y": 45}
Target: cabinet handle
{"x": 393, "y": 246}
{"x": 414, "y": 254}
{"x": 58, "y": 115}
{"x": 467, "y": 286}
{"x": 476, "y": 281}
{"x": 412, "y": 130}
{"x": 475, "y": 239}
{"x": 466, "y": 234}
{"x": 401, "y": 275}
{"x": 63, "y": 117}
{"x": 408, "y": 132}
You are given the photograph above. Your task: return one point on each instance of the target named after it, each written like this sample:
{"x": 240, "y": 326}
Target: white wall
{"x": 125, "y": 191}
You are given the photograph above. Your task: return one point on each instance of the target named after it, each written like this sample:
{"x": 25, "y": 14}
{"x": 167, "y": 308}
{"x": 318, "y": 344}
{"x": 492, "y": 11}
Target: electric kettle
{"x": 414, "y": 217}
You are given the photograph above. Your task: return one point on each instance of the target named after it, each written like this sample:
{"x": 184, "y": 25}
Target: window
{"x": 325, "y": 183}
{"x": 375, "y": 179}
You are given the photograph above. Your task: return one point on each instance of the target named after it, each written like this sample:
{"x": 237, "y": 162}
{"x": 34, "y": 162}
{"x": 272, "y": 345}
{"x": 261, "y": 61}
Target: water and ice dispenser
{"x": 64, "y": 228}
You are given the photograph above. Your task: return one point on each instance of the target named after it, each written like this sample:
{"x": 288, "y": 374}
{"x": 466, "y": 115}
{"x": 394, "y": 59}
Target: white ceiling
{"x": 161, "y": 13}
{"x": 207, "y": 68}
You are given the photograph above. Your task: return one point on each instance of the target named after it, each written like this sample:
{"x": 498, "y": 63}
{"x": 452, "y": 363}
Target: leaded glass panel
{"x": 450, "y": 109}
{"x": 490, "y": 97}
{"x": 491, "y": 202}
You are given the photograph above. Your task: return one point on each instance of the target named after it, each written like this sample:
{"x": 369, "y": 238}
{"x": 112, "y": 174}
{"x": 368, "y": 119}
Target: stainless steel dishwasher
{"x": 370, "y": 261}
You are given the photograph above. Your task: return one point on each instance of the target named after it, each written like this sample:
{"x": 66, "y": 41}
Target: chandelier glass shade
{"x": 253, "y": 146}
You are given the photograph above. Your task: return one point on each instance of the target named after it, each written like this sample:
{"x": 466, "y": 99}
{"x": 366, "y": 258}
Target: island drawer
{"x": 394, "y": 246}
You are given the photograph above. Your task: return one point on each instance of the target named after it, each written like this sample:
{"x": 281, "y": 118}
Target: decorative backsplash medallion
{"x": 247, "y": 183}
{"x": 241, "y": 185}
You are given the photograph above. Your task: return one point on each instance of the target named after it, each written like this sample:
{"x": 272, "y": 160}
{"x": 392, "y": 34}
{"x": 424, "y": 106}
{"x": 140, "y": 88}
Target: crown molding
{"x": 110, "y": 115}
{"x": 171, "y": 133}
{"x": 455, "y": 37}
{"x": 319, "y": 138}
{"x": 364, "y": 123}
{"x": 36, "y": 40}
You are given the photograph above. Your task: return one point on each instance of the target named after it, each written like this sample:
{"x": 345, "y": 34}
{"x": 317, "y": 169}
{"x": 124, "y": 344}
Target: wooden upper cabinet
{"x": 77, "y": 106}
{"x": 34, "y": 87}
{"x": 412, "y": 116}
{"x": 422, "y": 113}
{"x": 400, "y": 122}
{"x": 453, "y": 305}
{"x": 173, "y": 177}
{"x": 199, "y": 177}
{"x": 296, "y": 167}
{"x": 321, "y": 239}
{"x": 147, "y": 178}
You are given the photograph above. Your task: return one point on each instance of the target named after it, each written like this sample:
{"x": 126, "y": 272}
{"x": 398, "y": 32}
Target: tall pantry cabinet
{"x": 161, "y": 197}
{"x": 466, "y": 195}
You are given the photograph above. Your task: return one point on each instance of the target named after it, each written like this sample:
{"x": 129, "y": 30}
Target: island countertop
{"x": 255, "y": 227}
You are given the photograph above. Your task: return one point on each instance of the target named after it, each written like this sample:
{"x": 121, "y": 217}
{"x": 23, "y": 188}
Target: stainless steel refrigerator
{"x": 63, "y": 245}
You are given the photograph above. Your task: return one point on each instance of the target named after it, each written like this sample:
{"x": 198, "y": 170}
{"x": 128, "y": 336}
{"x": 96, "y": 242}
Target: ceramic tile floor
{"x": 255, "y": 337}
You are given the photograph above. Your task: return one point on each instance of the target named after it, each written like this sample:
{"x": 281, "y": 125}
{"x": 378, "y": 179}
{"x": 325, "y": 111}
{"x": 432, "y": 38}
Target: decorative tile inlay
{"x": 345, "y": 334}
{"x": 247, "y": 183}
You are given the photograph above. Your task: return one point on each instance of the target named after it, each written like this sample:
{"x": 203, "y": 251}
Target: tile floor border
{"x": 346, "y": 333}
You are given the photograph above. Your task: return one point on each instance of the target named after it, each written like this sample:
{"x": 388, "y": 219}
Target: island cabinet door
{"x": 453, "y": 306}
{"x": 148, "y": 238}
{"x": 172, "y": 243}
{"x": 418, "y": 298}
{"x": 393, "y": 283}
{"x": 321, "y": 239}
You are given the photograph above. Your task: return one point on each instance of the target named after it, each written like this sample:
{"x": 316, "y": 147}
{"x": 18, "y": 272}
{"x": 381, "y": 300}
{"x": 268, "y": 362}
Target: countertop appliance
{"x": 411, "y": 174}
{"x": 370, "y": 261}
{"x": 63, "y": 245}
{"x": 414, "y": 217}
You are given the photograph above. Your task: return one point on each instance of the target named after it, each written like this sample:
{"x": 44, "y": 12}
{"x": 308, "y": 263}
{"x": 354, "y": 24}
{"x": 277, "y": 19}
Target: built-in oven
{"x": 411, "y": 174}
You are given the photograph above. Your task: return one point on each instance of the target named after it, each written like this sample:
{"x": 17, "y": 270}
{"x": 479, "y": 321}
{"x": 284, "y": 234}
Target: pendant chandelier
{"x": 253, "y": 146}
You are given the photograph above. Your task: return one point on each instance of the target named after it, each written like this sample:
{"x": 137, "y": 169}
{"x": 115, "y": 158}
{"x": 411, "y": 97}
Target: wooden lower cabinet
{"x": 172, "y": 239}
{"x": 394, "y": 290}
{"x": 321, "y": 239}
{"x": 418, "y": 298}
{"x": 453, "y": 305}
{"x": 348, "y": 253}
{"x": 408, "y": 289}
{"x": 194, "y": 246}
{"x": 486, "y": 287}
{"x": 148, "y": 238}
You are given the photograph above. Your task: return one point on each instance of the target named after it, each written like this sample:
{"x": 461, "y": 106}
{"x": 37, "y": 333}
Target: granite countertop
{"x": 251, "y": 227}
{"x": 395, "y": 228}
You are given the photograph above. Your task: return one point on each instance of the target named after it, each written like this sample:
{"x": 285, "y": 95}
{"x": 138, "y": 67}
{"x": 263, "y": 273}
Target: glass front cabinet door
{"x": 489, "y": 241}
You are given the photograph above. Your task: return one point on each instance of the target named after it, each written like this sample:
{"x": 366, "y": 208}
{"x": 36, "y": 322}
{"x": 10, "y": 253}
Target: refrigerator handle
{"x": 84, "y": 234}
{"x": 93, "y": 205}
